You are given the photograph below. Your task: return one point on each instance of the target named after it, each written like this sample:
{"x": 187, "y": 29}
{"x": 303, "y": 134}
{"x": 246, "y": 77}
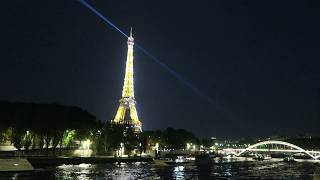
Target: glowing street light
{"x": 157, "y": 147}
{"x": 84, "y": 149}
{"x": 86, "y": 144}
{"x": 189, "y": 146}
{"x": 121, "y": 149}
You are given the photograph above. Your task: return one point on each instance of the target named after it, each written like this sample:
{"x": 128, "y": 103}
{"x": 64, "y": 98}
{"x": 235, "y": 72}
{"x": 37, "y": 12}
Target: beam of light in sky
{"x": 172, "y": 72}
{"x": 102, "y": 17}
{"x": 178, "y": 76}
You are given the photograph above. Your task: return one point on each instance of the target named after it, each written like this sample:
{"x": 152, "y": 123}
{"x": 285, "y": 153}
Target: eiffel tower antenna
{"x": 131, "y": 32}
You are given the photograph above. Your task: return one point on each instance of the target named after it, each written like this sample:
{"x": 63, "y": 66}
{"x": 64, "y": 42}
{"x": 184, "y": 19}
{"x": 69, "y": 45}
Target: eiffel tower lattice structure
{"x": 127, "y": 112}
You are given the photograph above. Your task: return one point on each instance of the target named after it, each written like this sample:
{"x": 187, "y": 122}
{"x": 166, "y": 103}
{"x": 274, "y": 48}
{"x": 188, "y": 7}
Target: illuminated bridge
{"x": 273, "y": 146}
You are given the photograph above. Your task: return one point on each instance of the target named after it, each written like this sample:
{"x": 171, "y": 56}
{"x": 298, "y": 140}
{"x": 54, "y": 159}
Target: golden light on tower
{"x": 127, "y": 102}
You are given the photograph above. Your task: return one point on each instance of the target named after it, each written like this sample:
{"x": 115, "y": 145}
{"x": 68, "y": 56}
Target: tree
{"x": 27, "y": 140}
{"x": 6, "y": 135}
{"x": 16, "y": 138}
{"x": 143, "y": 142}
{"x": 130, "y": 140}
{"x": 68, "y": 137}
{"x": 114, "y": 137}
{"x": 46, "y": 124}
{"x": 177, "y": 139}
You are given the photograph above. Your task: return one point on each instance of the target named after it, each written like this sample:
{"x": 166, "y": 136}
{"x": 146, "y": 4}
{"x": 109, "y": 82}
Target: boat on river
{"x": 179, "y": 160}
{"x": 289, "y": 159}
{"x": 260, "y": 157}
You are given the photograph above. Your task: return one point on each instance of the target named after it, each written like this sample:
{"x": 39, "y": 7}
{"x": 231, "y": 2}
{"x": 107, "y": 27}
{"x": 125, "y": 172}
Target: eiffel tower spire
{"x": 127, "y": 102}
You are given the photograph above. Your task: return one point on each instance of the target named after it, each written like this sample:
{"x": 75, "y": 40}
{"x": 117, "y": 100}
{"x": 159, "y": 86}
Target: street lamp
{"x": 189, "y": 146}
{"x": 157, "y": 147}
{"x": 121, "y": 149}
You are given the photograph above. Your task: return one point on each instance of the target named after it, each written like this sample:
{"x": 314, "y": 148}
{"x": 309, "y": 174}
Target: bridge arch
{"x": 277, "y": 143}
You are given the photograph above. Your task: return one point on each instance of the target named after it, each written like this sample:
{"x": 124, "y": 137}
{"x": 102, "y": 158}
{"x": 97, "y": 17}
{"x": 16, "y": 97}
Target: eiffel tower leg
{"x": 120, "y": 115}
{"x": 134, "y": 116}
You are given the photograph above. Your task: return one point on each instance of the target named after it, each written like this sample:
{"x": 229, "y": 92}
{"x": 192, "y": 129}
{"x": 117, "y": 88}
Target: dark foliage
{"x": 38, "y": 126}
{"x": 47, "y": 122}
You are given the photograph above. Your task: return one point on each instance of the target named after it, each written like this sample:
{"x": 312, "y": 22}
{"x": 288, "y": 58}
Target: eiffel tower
{"x": 127, "y": 112}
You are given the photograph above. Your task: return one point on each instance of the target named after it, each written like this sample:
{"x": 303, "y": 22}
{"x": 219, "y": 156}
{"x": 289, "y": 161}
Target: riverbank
{"x": 55, "y": 161}
{"x": 15, "y": 165}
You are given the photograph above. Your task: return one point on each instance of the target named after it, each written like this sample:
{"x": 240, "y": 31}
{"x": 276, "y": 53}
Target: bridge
{"x": 273, "y": 146}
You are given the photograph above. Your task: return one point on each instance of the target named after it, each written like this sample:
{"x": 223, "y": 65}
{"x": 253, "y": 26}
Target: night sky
{"x": 258, "y": 61}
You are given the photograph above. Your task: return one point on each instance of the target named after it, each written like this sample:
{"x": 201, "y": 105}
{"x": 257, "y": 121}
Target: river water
{"x": 224, "y": 169}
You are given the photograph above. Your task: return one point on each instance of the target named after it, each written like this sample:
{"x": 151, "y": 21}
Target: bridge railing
{"x": 292, "y": 148}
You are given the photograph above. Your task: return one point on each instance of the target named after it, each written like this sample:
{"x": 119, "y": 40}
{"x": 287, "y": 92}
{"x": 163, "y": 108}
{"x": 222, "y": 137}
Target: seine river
{"x": 224, "y": 169}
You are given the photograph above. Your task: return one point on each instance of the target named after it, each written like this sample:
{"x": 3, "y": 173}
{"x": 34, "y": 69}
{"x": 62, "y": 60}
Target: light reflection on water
{"x": 81, "y": 171}
{"x": 178, "y": 172}
{"x": 104, "y": 171}
{"x": 233, "y": 169}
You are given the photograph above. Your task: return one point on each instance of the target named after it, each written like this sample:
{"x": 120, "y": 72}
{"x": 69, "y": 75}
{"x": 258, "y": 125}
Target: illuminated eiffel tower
{"x": 127, "y": 112}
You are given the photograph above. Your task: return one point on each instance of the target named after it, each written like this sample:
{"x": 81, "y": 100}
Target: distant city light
{"x": 121, "y": 149}
{"x": 189, "y": 146}
{"x": 85, "y": 144}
